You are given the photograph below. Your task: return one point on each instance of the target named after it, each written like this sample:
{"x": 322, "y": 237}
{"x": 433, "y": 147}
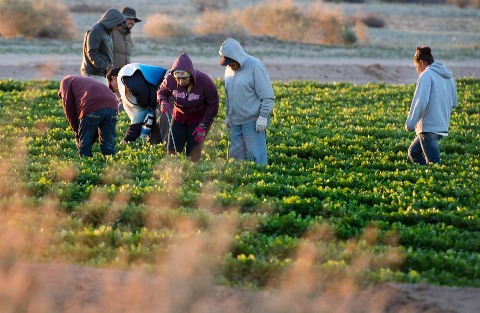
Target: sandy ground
{"x": 359, "y": 71}
{"x": 70, "y": 288}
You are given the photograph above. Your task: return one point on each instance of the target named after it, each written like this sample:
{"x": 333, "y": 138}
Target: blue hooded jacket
{"x": 249, "y": 90}
{"x": 433, "y": 101}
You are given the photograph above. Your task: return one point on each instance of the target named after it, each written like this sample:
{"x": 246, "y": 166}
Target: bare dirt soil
{"x": 358, "y": 71}
{"x": 69, "y": 288}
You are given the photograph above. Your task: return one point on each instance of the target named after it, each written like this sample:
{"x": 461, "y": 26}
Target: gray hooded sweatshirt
{"x": 98, "y": 44}
{"x": 249, "y": 90}
{"x": 433, "y": 101}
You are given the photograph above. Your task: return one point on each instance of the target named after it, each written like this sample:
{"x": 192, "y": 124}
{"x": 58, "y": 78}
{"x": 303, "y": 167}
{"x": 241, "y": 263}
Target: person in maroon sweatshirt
{"x": 91, "y": 109}
{"x": 195, "y": 105}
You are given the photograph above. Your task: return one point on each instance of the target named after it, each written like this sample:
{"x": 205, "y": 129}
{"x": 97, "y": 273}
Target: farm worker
{"x": 137, "y": 85}
{"x": 435, "y": 97}
{"x": 98, "y": 45}
{"x": 122, "y": 38}
{"x": 122, "y": 41}
{"x": 91, "y": 110}
{"x": 249, "y": 102}
{"x": 195, "y": 105}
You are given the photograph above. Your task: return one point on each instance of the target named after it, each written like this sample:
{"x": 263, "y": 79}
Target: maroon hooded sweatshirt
{"x": 200, "y": 105}
{"x": 83, "y": 95}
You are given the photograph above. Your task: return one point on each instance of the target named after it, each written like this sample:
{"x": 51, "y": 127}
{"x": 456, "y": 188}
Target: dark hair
{"x": 113, "y": 72}
{"x": 424, "y": 54}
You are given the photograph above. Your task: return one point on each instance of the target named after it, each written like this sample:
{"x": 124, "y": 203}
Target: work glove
{"x": 199, "y": 134}
{"x": 226, "y": 122}
{"x": 165, "y": 107}
{"x": 261, "y": 124}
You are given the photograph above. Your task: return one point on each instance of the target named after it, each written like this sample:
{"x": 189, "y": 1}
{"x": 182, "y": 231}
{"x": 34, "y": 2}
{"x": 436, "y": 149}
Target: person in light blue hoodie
{"x": 249, "y": 102}
{"x": 429, "y": 117}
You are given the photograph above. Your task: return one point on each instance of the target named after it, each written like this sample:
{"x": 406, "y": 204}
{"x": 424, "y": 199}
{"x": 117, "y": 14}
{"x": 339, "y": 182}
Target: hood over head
{"x": 441, "y": 69}
{"x": 184, "y": 63}
{"x": 231, "y": 49}
{"x": 112, "y": 18}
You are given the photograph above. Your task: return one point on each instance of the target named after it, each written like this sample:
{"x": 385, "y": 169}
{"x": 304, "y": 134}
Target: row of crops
{"x": 338, "y": 179}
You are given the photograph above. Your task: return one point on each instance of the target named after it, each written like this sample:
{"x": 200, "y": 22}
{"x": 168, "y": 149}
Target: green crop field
{"x": 339, "y": 192}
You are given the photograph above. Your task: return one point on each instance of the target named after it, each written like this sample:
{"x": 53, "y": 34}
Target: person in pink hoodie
{"x": 195, "y": 106}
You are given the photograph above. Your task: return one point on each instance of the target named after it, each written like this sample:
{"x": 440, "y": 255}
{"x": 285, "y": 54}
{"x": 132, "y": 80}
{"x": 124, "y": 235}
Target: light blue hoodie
{"x": 249, "y": 90}
{"x": 433, "y": 101}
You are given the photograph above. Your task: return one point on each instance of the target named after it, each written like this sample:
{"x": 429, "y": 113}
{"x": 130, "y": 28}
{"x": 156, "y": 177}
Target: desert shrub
{"x": 282, "y": 20}
{"x": 162, "y": 26}
{"x": 208, "y": 5}
{"x": 88, "y": 8}
{"x": 43, "y": 19}
{"x": 327, "y": 26}
{"x": 370, "y": 19}
{"x": 465, "y": 3}
{"x": 361, "y": 32}
{"x": 217, "y": 22}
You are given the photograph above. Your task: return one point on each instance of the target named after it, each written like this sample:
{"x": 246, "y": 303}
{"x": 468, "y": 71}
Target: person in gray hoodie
{"x": 98, "y": 45}
{"x": 429, "y": 117}
{"x": 249, "y": 102}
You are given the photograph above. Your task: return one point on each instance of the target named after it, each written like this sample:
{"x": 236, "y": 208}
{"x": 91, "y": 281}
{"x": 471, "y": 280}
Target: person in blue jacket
{"x": 137, "y": 85}
{"x": 429, "y": 117}
{"x": 249, "y": 102}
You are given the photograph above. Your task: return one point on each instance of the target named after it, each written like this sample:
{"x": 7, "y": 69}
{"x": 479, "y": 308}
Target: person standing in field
{"x": 429, "y": 116}
{"x": 137, "y": 85}
{"x": 122, "y": 38}
{"x": 91, "y": 110}
{"x": 195, "y": 105}
{"x": 98, "y": 45}
{"x": 249, "y": 103}
{"x": 122, "y": 43}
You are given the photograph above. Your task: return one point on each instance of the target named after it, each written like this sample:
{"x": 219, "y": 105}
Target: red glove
{"x": 166, "y": 107}
{"x": 199, "y": 134}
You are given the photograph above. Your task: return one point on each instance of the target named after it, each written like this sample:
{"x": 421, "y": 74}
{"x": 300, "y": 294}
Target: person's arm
{"x": 211, "y": 101}
{"x": 133, "y": 132}
{"x": 69, "y": 108}
{"x": 94, "y": 42}
{"x": 420, "y": 100}
{"x": 163, "y": 95}
{"x": 264, "y": 90}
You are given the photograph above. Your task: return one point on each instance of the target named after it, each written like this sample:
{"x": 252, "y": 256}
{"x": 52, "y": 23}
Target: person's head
{"x": 113, "y": 19}
{"x": 111, "y": 78}
{"x": 130, "y": 16}
{"x": 423, "y": 58}
{"x": 226, "y": 61}
{"x": 182, "y": 77}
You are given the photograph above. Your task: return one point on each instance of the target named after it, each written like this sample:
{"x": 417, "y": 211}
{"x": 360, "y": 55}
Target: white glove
{"x": 226, "y": 122}
{"x": 261, "y": 124}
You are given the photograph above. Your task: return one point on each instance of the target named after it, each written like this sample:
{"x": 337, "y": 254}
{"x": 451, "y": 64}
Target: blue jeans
{"x": 424, "y": 149}
{"x": 248, "y": 144}
{"x": 99, "y": 123}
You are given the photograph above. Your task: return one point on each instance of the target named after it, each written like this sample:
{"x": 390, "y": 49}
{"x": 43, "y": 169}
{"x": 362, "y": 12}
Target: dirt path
{"x": 360, "y": 71}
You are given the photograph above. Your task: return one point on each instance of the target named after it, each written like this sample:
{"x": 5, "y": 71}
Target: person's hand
{"x": 261, "y": 124}
{"x": 165, "y": 107}
{"x": 199, "y": 134}
{"x": 226, "y": 122}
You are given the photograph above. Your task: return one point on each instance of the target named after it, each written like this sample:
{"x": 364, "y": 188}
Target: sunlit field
{"x": 338, "y": 207}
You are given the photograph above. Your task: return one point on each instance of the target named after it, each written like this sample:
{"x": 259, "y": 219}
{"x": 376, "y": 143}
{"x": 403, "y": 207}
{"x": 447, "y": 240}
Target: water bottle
{"x": 147, "y": 124}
